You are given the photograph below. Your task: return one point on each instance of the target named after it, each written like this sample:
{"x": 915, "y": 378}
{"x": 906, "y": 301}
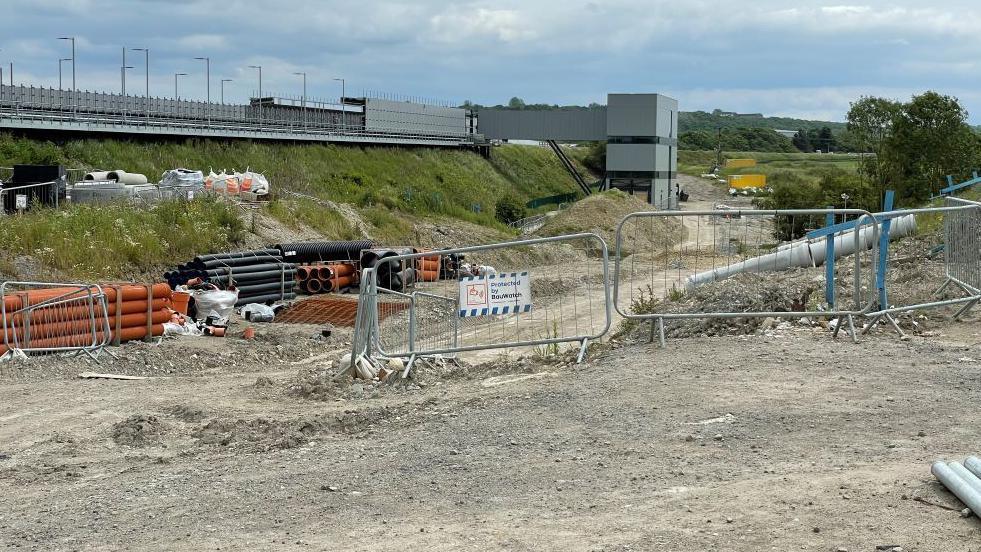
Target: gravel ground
{"x": 783, "y": 441}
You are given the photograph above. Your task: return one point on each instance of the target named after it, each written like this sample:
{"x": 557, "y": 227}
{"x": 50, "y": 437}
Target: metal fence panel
{"x": 662, "y": 255}
{"x": 962, "y": 251}
{"x": 40, "y": 317}
{"x": 541, "y": 293}
{"x": 954, "y": 275}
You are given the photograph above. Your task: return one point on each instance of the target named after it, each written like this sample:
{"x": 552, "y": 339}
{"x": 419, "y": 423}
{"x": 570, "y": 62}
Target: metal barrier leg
{"x": 408, "y": 366}
{"x": 660, "y": 325}
{"x": 895, "y": 325}
{"x": 851, "y": 328}
{"x": 964, "y": 309}
{"x": 943, "y": 288}
{"x": 582, "y": 351}
{"x": 653, "y": 329}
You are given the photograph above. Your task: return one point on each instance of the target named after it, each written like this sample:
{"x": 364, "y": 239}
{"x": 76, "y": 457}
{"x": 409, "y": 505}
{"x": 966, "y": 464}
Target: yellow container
{"x": 740, "y": 163}
{"x": 745, "y": 181}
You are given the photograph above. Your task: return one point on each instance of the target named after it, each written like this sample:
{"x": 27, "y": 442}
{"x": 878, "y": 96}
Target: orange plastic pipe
{"x": 129, "y": 292}
{"x": 126, "y": 334}
{"x": 80, "y": 326}
{"x": 45, "y": 315}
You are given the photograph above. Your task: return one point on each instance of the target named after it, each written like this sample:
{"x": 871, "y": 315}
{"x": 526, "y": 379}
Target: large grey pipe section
{"x": 123, "y": 177}
{"x": 973, "y": 463}
{"x": 96, "y": 175}
{"x": 964, "y": 490}
{"x": 805, "y": 253}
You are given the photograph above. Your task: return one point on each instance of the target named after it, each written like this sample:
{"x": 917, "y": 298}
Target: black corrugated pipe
{"x": 265, "y": 299}
{"x": 240, "y": 261}
{"x": 313, "y": 252}
{"x": 264, "y": 288}
{"x": 267, "y": 276}
{"x": 264, "y": 267}
{"x": 238, "y": 254}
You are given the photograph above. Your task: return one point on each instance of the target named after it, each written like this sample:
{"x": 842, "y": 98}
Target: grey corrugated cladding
{"x": 551, "y": 124}
{"x": 642, "y": 115}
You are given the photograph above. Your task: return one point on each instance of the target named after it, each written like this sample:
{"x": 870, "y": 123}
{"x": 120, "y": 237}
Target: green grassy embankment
{"x": 389, "y": 187}
{"x": 806, "y": 165}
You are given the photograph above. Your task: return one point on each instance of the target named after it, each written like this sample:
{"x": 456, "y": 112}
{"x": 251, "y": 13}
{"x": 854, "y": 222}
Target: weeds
{"x": 112, "y": 241}
{"x": 548, "y": 350}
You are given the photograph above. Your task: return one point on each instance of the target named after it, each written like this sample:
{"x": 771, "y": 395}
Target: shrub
{"x": 509, "y": 209}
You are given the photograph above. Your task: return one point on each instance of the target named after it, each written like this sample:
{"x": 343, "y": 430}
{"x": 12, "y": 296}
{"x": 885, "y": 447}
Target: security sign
{"x": 495, "y": 294}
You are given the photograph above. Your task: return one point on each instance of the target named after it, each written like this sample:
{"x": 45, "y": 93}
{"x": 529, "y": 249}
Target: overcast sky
{"x": 803, "y": 59}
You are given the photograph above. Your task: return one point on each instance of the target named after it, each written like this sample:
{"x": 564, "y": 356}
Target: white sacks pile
{"x": 236, "y": 183}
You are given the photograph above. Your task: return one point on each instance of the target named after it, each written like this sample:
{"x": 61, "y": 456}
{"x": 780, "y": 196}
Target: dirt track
{"x": 817, "y": 445}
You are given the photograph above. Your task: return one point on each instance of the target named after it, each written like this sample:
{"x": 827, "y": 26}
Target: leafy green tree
{"x": 595, "y": 159}
{"x": 930, "y": 139}
{"x": 516, "y": 103}
{"x": 510, "y": 209}
{"x": 802, "y": 141}
{"x": 870, "y": 122}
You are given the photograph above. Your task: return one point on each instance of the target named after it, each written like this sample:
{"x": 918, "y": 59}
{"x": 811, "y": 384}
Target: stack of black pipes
{"x": 322, "y": 252}
{"x": 260, "y": 276}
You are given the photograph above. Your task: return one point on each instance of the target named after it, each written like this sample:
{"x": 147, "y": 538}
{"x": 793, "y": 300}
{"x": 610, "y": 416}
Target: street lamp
{"x": 259, "y": 67}
{"x": 74, "y": 88}
{"x": 223, "y": 81}
{"x": 303, "y": 73}
{"x": 207, "y": 63}
{"x": 343, "y": 111}
{"x": 176, "y": 95}
{"x": 60, "y": 63}
{"x": 122, "y": 73}
{"x": 146, "y": 66}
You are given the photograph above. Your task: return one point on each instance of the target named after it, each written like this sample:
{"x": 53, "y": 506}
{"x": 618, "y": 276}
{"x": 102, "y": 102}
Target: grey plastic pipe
{"x": 123, "y": 177}
{"x": 805, "y": 253}
{"x": 96, "y": 175}
{"x": 955, "y": 484}
{"x": 973, "y": 463}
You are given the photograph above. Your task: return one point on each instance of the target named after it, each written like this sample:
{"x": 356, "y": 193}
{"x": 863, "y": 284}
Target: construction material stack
{"x": 260, "y": 276}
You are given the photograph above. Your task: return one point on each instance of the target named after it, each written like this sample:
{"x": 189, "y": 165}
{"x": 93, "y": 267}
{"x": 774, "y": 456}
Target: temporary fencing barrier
{"x": 957, "y": 270}
{"x": 566, "y": 302}
{"x": 24, "y": 197}
{"x": 41, "y": 317}
{"x": 663, "y": 253}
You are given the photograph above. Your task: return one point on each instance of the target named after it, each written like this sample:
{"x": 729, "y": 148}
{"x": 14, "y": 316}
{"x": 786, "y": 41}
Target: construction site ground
{"x": 784, "y": 439}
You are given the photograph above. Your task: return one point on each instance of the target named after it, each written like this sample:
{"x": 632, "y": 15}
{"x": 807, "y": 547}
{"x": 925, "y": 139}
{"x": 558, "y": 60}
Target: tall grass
{"x": 119, "y": 240}
{"x": 420, "y": 181}
{"x": 298, "y": 212}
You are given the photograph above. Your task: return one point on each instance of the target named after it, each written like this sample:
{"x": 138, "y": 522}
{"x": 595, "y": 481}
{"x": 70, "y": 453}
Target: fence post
{"x": 829, "y": 263}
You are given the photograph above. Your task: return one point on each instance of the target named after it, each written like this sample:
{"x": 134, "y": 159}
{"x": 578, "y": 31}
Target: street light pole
{"x": 304, "y": 74}
{"x": 146, "y": 62}
{"x": 259, "y": 67}
{"x": 343, "y": 111}
{"x": 223, "y": 81}
{"x": 60, "y": 63}
{"x": 74, "y": 87}
{"x": 207, "y": 64}
{"x": 176, "y": 95}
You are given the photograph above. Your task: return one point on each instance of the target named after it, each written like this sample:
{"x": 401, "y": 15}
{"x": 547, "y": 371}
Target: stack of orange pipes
{"x": 326, "y": 278}
{"x": 132, "y": 311}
